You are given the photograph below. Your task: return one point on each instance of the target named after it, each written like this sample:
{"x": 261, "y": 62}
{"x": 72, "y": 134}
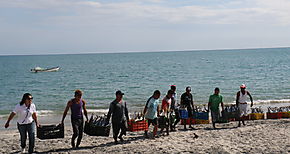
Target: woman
{"x": 26, "y": 121}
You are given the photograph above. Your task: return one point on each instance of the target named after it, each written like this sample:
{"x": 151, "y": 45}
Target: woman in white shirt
{"x": 26, "y": 121}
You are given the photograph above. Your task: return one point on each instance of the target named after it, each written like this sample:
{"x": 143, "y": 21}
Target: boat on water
{"x": 39, "y": 69}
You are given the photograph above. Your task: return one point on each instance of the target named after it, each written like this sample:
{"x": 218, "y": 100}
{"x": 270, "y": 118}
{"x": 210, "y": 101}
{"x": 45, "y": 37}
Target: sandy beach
{"x": 259, "y": 136}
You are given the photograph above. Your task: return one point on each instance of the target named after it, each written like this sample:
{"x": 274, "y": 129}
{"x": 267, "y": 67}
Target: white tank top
{"x": 243, "y": 98}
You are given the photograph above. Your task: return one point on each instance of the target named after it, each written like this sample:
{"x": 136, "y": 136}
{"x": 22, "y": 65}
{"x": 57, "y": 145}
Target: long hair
{"x": 25, "y": 96}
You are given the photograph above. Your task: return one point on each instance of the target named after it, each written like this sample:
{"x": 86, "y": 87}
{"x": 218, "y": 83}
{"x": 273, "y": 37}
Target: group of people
{"x": 155, "y": 113}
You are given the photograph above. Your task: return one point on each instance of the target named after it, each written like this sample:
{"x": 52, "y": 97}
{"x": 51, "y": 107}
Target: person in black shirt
{"x": 187, "y": 102}
{"x": 119, "y": 112}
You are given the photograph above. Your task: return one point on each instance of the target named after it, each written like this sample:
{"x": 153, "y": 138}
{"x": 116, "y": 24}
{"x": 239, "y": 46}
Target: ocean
{"x": 266, "y": 72}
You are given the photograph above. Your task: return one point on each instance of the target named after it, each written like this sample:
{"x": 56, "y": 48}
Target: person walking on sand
{"x": 27, "y": 118}
{"x": 186, "y": 101}
{"x": 151, "y": 111}
{"x": 213, "y": 104}
{"x": 165, "y": 109}
{"x": 174, "y": 108}
{"x": 241, "y": 103}
{"x": 77, "y": 105}
{"x": 118, "y": 110}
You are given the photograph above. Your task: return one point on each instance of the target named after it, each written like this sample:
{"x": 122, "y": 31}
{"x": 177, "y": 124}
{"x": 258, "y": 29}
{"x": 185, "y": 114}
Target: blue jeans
{"x": 23, "y": 130}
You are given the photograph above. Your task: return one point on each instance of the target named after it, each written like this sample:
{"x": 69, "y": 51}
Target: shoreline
{"x": 259, "y": 136}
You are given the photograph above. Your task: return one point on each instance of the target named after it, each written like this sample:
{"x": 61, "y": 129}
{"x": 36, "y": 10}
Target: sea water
{"x": 266, "y": 72}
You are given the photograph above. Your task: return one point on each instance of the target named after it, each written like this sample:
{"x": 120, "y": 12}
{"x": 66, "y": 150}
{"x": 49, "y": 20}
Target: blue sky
{"x": 98, "y": 26}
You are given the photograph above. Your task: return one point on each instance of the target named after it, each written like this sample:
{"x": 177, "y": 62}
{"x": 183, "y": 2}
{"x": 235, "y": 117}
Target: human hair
{"x": 156, "y": 92}
{"x": 24, "y": 97}
{"x": 78, "y": 92}
{"x": 217, "y": 89}
{"x": 173, "y": 87}
{"x": 170, "y": 92}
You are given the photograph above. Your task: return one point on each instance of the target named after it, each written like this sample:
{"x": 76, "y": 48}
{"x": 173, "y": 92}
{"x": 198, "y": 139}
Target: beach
{"x": 259, "y": 136}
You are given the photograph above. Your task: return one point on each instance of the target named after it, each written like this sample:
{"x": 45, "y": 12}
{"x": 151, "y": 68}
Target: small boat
{"x": 39, "y": 69}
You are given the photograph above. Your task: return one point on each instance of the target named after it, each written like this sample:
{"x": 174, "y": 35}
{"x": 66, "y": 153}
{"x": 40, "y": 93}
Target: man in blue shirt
{"x": 151, "y": 111}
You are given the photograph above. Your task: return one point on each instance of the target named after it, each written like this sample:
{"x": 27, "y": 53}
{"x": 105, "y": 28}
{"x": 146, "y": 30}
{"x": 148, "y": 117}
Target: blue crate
{"x": 201, "y": 115}
{"x": 183, "y": 114}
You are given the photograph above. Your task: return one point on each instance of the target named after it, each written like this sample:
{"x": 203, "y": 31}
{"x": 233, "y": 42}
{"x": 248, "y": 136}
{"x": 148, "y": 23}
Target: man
{"x": 119, "y": 112}
{"x": 174, "y": 108}
{"x": 151, "y": 111}
{"x": 77, "y": 104}
{"x": 186, "y": 101}
{"x": 241, "y": 103}
{"x": 213, "y": 104}
{"x": 165, "y": 109}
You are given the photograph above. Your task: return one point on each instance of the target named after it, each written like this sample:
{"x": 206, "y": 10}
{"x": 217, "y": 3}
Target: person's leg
{"x": 155, "y": 127}
{"x": 213, "y": 119}
{"x": 23, "y": 135}
{"x": 123, "y": 130}
{"x": 75, "y": 131}
{"x": 190, "y": 115}
{"x": 146, "y": 131}
{"x": 80, "y": 131}
{"x": 31, "y": 136}
{"x": 177, "y": 118}
{"x": 116, "y": 130}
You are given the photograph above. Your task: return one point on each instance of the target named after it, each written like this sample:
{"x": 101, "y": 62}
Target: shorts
{"x": 243, "y": 109}
{"x": 215, "y": 116}
{"x": 189, "y": 110}
{"x": 152, "y": 121}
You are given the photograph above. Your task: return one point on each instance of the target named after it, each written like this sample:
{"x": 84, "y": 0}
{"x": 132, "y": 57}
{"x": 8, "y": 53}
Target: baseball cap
{"x": 243, "y": 86}
{"x": 119, "y": 92}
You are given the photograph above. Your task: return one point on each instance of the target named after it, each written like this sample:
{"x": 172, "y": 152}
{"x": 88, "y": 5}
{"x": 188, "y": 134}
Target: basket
{"x": 256, "y": 116}
{"x": 95, "y": 130}
{"x": 201, "y": 121}
{"x": 134, "y": 126}
{"x": 201, "y": 115}
{"x": 277, "y": 115}
{"x": 183, "y": 114}
{"x": 187, "y": 121}
{"x": 50, "y": 131}
{"x": 285, "y": 114}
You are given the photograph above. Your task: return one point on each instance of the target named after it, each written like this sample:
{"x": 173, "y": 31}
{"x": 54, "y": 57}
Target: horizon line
{"x": 122, "y": 52}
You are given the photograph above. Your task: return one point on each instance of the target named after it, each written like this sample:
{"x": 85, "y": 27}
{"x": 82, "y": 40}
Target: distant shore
{"x": 259, "y": 136}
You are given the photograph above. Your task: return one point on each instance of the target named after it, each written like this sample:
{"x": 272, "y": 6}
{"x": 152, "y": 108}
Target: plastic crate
{"x": 183, "y": 114}
{"x": 201, "y": 115}
{"x": 187, "y": 121}
{"x": 285, "y": 114}
{"x": 94, "y": 130}
{"x": 134, "y": 126}
{"x": 257, "y": 116}
{"x": 50, "y": 131}
{"x": 201, "y": 121}
{"x": 277, "y": 115}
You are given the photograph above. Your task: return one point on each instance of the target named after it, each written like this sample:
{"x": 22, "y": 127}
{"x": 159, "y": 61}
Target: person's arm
{"x": 12, "y": 114}
{"x": 111, "y": 108}
{"x": 34, "y": 116}
{"x": 85, "y": 109}
{"x": 209, "y": 103}
{"x": 68, "y": 105}
{"x": 192, "y": 102}
{"x": 251, "y": 98}
{"x": 237, "y": 99}
{"x": 126, "y": 112}
{"x": 158, "y": 111}
{"x": 222, "y": 103}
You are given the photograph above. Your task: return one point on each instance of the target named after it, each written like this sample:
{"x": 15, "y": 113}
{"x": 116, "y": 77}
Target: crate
{"x": 285, "y": 114}
{"x": 183, "y": 114}
{"x": 201, "y": 121}
{"x": 277, "y": 115}
{"x": 134, "y": 126}
{"x": 201, "y": 115}
{"x": 257, "y": 116}
{"x": 95, "y": 130}
{"x": 50, "y": 131}
{"x": 187, "y": 121}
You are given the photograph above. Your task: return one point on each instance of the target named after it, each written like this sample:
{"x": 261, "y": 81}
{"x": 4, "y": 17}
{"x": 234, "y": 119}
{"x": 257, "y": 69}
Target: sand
{"x": 259, "y": 136}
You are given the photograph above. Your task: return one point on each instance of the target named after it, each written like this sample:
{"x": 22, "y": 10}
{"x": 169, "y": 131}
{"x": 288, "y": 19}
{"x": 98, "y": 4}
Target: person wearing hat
{"x": 119, "y": 112}
{"x": 241, "y": 103}
{"x": 186, "y": 101}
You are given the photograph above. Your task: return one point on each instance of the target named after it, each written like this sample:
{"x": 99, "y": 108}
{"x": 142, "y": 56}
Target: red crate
{"x": 187, "y": 121}
{"x": 134, "y": 126}
{"x": 277, "y": 115}
{"x": 285, "y": 114}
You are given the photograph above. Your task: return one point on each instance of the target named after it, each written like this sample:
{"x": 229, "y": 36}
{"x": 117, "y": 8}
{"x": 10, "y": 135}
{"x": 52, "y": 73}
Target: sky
{"x": 100, "y": 26}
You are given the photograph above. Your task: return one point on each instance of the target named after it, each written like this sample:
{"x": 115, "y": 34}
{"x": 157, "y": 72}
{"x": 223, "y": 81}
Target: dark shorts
{"x": 215, "y": 116}
{"x": 152, "y": 121}
{"x": 189, "y": 110}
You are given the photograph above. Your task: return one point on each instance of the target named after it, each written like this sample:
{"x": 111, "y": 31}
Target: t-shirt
{"x": 166, "y": 102}
{"x": 24, "y": 113}
{"x": 152, "y": 105}
{"x": 186, "y": 99}
{"x": 118, "y": 111}
{"x": 215, "y": 101}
